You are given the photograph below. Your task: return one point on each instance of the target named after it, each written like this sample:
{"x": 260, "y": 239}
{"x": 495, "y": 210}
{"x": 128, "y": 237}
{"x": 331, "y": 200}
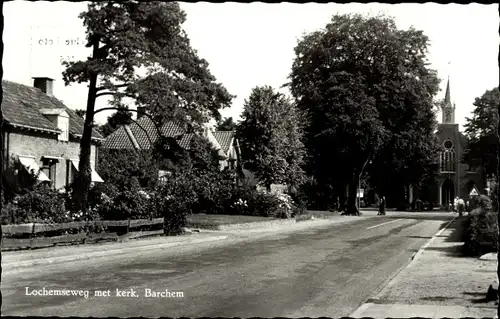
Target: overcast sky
{"x": 252, "y": 44}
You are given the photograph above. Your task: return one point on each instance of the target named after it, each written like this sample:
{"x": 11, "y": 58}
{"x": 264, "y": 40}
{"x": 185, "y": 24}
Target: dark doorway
{"x": 447, "y": 192}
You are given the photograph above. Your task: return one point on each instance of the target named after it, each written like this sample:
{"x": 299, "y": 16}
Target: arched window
{"x": 447, "y": 160}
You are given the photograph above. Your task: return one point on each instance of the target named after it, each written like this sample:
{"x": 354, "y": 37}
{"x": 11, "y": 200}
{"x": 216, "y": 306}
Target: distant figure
{"x": 381, "y": 206}
{"x": 455, "y": 204}
{"x": 460, "y": 206}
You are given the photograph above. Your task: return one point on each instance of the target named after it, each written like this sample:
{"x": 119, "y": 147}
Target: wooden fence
{"x": 84, "y": 235}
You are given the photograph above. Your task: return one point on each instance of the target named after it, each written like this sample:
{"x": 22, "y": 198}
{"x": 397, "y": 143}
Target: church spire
{"x": 447, "y": 97}
{"x": 448, "y": 108}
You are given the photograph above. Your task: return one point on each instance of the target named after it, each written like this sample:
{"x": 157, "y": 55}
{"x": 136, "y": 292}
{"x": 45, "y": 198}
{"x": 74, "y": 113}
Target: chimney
{"x": 140, "y": 111}
{"x": 44, "y": 84}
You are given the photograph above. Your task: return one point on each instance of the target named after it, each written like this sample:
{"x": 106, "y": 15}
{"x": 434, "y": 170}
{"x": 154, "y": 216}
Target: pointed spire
{"x": 447, "y": 97}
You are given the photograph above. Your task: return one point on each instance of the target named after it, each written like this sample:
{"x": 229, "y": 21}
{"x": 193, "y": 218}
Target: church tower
{"x": 448, "y": 116}
{"x": 455, "y": 179}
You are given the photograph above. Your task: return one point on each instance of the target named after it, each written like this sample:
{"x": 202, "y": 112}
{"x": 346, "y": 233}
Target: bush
{"x": 248, "y": 201}
{"x": 213, "y": 191}
{"x": 41, "y": 205}
{"x": 482, "y": 202}
{"x": 481, "y": 234}
{"x": 494, "y": 197}
{"x": 174, "y": 201}
{"x": 128, "y": 204}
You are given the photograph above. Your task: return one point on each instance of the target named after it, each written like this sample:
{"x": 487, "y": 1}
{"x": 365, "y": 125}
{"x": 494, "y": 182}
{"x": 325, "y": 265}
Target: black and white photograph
{"x": 175, "y": 159}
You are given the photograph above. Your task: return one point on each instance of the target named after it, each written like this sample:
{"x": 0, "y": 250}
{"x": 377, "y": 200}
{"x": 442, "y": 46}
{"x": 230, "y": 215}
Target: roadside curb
{"x": 427, "y": 244}
{"x": 365, "y": 304}
{"x": 17, "y": 265}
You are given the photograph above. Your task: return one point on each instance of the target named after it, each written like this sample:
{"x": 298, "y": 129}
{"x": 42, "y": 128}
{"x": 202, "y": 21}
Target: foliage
{"x": 127, "y": 169}
{"x": 174, "y": 201}
{"x": 481, "y": 202}
{"x": 481, "y": 234}
{"x": 481, "y": 131}
{"x": 132, "y": 35}
{"x": 118, "y": 119}
{"x": 494, "y": 196}
{"x": 80, "y": 113}
{"x": 16, "y": 180}
{"x": 270, "y": 138}
{"x": 41, "y": 204}
{"x": 226, "y": 124}
{"x": 130, "y": 204}
{"x": 250, "y": 202}
{"x": 367, "y": 93}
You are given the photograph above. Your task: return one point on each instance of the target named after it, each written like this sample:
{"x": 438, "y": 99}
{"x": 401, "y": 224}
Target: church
{"x": 454, "y": 177}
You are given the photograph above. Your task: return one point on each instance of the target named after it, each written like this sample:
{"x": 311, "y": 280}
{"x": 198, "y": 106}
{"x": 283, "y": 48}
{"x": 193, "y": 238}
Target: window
{"x": 63, "y": 125}
{"x": 49, "y": 168}
{"x": 448, "y": 144}
{"x": 447, "y": 161}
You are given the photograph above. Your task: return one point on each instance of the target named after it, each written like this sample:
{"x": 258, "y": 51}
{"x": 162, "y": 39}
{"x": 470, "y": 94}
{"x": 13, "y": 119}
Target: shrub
{"x": 213, "y": 191}
{"x": 494, "y": 197}
{"x": 173, "y": 201}
{"x": 41, "y": 205}
{"x": 482, "y": 202}
{"x": 248, "y": 201}
{"x": 481, "y": 234}
{"x": 128, "y": 204}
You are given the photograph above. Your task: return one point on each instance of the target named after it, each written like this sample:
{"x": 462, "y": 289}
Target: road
{"x": 324, "y": 271}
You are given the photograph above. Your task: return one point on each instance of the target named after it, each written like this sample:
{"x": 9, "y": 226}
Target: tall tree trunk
{"x": 342, "y": 200}
{"x": 351, "y": 208}
{"x": 81, "y": 185}
{"x": 498, "y": 196}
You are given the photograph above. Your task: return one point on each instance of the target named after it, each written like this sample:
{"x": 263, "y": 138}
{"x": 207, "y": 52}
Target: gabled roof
{"x": 225, "y": 139}
{"x": 145, "y": 133}
{"x": 21, "y": 105}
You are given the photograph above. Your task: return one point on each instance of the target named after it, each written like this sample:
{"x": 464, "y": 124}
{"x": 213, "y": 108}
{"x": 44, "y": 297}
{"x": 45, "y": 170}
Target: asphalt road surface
{"x": 326, "y": 271}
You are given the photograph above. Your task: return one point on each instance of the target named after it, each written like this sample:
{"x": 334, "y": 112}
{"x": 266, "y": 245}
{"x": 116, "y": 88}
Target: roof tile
{"x": 21, "y": 105}
{"x": 224, "y": 138}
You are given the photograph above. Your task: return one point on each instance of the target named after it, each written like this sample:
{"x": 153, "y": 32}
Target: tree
{"x": 270, "y": 138}
{"x": 80, "y": 113}
{"x": 227, "y": 124}
{"x": 121, "y": 117}
{"x": 367, "y": 93}
{"x": 129, "y": 36}
{"x": 481, "y": 132}
{"x": 125, "y": 168}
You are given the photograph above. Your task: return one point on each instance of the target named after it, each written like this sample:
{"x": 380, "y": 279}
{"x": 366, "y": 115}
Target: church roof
{"x": 447, "y": 96}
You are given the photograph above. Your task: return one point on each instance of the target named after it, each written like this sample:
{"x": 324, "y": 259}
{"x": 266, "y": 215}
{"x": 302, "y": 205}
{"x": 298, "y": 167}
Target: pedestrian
{"x": 381, "y": 206}
{"x": 460, "y": 206}
{"x": 455, "y": 204}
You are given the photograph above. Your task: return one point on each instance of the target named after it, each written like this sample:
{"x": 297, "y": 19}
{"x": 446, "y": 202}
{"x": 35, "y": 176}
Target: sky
{"x": 250, "y": 45}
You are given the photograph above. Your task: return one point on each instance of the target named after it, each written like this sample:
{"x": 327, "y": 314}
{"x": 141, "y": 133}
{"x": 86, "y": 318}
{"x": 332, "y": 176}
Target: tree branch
{"x": 113, "y": 93}
{"x": 113, "y": 87}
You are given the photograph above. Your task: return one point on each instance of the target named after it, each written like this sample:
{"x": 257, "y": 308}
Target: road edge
{"x": 392, "y": 278}
{"x": 19, "y": 265}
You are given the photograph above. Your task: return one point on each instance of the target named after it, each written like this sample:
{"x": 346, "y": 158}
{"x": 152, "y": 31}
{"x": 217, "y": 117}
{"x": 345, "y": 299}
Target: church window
{"x": 447, "y": 160}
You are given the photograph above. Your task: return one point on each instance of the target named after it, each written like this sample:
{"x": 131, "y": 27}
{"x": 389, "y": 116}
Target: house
{"x": 143, "y": 133}
{"x": 43, "y": 133}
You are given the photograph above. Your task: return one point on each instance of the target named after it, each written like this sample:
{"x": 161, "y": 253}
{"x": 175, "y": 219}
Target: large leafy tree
{"x": 367, "y": 91}
{"x": 132, "y": 36}
{"x": 270, "y": 137}
{"x": 481, "y": 131}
